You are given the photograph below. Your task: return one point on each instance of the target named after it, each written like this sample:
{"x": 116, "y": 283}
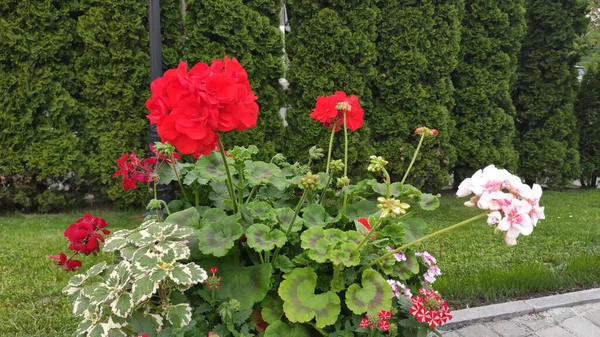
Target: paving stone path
{"x": 578, "y": 321}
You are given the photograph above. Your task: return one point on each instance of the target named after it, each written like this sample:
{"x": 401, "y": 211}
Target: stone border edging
{"x": 516, "y": 308}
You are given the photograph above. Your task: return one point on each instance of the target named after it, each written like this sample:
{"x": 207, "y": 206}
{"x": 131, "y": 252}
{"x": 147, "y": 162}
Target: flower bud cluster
{"x": 390, "y": 207}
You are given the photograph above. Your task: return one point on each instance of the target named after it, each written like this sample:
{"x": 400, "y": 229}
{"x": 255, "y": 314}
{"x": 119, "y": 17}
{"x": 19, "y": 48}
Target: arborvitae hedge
{"x": 330, "y": 48}
{"x": 546, "y": 125}
{"x": 114, "y": 74}
{"x": 483, "y": 110}
{"x": 218, "y": 28}
{"x": 40, "y": 155}
{"x": 417, "y": 51}
{"x": 587, "y": 110}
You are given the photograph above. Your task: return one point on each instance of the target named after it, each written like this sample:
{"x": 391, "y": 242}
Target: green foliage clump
{"x": 587, "y": 110}
{"x": 417, "y": 51}
{"x": 39, "y": 114}
{"x": 244, "y": 30}
{"x": 545, "y": 91}
{"x": 330, "y": 48}
{"x": 483, "y": 110}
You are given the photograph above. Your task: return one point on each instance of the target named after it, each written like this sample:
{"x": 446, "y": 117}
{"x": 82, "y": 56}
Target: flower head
{"x": 85, "y": 235}
{"x": 330, "y": 111}
{"x": 133, "y": 169}
{"x": 390, "y": 207}
{"x": 69, "y": 263}
{"x": 427, "y": 131}
{"x": 428, "y": 307}
{"x": 377, "y": 164}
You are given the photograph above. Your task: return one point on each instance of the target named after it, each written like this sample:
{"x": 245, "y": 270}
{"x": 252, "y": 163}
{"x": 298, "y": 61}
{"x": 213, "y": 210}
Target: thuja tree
{"x": 330, "y": 48}
{"x": 236, "y": 28}
{"x": 114, "y": 74}
{"x": 41, "y": 157}
{"x": 587, "y": 110}
{"x": 546, "y": 125}
{"x": 483, "y": 110}
{"x": 417, "y": 51}
{"x": 171, "y": 23}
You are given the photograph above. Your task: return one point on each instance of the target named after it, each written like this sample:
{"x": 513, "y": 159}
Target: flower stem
{"x": 373, "y": 228}
{"x": 177, "y": 176}
{"x": 403, "y": 247}
{"x": 388, "y": 183}
{"x": 344, "y": 190}
{"x": 166, "y": 207}
{"x": 413, "y": 158}
{"x": 289, "y": 230}
{"x": 229, "y": 182}
{"x": 324, "y": 190}
{"x": 241, "y": 188}
{"x": 251, "y": 195}
{"x": 156, "y": 198}
{"x": 330, "y": 146}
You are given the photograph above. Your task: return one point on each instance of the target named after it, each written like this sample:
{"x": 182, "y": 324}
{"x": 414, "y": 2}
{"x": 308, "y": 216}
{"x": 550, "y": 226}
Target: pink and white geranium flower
{"x": 513, "y": 206}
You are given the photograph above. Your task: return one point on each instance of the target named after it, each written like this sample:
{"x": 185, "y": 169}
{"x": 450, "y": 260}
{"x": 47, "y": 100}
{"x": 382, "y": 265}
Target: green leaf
{"x": 211, "y": 167}
{"x": 123, "y": 305}
{"x": 193, "y": 176}
{"x": 345, "y": 255}
{"x": 166, "y": 173}
{"x": 429, "y": 202}
{"x": 100, "y": 294}
{"x": 114, "y": 243}
{"x": 361, "y": 209}
{"x": 99, "y": 330}
{"x": 395, "y": 233}
{"x": 219, "y": 195}
{"x": 243, "y": 153}
{"x": 261, "y": 173}
{"x": 187, "y": 218}
{"x": 262, "y": 238}
{"x": 374, "y": 295}
{"x": 142, "y": 289}
{"x": 301, "y": 304}
{"x": 315, "y": 215}
{"x": 279, "y": 329}
{"x": 260, "y": 210}
{"x": 272, "y": 309}
{"x": 179, "y": 315}
{"x": 77, "y": 280}
{"x": 285, "y": 215}
{"x": 181, "y": 274}
{"x": 317, "y": 247}
{"x": 217, "y": 238}
{"x": 414, "y": 229}
{"x": 334, "y": 235}
{"x": 249, "y": 285}
{"x": 283, "y": 263}
{"x": 80, "y": 306}
{"x": 213, "y": 215}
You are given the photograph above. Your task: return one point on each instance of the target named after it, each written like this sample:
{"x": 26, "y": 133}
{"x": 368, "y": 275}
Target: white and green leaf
{"x": 179, "y": 315}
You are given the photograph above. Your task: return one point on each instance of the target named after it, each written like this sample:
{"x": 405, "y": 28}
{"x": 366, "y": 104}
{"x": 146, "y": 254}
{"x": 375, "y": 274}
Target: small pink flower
{"x": 516, "y": 220}
{"x": 384, "y": 325}
{"x": 364, "y": 323}
{"x": 494, "y": 218}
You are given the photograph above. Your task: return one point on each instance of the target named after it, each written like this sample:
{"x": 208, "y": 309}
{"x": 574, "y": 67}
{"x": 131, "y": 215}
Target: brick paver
{"x": 579, "y": 321}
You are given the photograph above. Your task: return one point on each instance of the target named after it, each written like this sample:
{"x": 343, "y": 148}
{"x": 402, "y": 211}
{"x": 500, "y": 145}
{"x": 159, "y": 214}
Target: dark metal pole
{"x": 155, "y": 72}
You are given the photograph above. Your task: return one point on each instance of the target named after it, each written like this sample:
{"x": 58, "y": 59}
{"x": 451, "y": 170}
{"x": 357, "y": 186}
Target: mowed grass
{"x": 562, "y": 254}
{"x": 31, "y": 303}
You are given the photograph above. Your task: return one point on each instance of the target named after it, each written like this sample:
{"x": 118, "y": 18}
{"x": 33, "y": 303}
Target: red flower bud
{"x": 213, "y": 270}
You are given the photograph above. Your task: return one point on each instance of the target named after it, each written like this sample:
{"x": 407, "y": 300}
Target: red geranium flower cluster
{"x": 430, "y": 308}
{"x": 213, "y": 281}
{"x": 189, "y": 108}
{"x": 381, "y": 321}
{"x": 84, "y": 237}
{"x": 330, "y": 111}
{"x": 133, "y": 169}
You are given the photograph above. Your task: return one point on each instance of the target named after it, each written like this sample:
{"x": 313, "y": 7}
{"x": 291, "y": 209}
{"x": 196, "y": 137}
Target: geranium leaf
{"x": 261, "y": 173}
{"x": 262, "y": 211}
{"x": 410, "y": 192}
{"x": 345, "y": 255}
{"x": 123, "y": 305}
{"x": 166, "y": 173}
{"x": 283, "y": 263}
{"x": 395, "y": 233}
{"x": 262, "y": 238}
{"x": 217, "y": 238}
{"x": 193, "y": 176}
{"x": 211, "y": 167}
{"x": 355, "y": 237}
{"x": 414, "y": 229}
{"x": 285, "y": 215}
{"x": 315, "y": 244}
{"x": 334, "y": 235}
{"x": 315, "y": 215}
{"x": 374, "y": 295}
{"x": 361, "y": 209}
{"x": 278, "y": 329}
{"x": 249, "y": 285}
{"x": 219, "y": 195}
{"x": 187, "y": 218}
{"x": 212, "y": 215}
{"x": 301, "y": 304}
{"x": 272, "y": 309}
{"x": 429, "y": 202}
{"x": 179, "y": 315}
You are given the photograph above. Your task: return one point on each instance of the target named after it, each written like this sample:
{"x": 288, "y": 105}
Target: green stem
{"x": 267, "y": 256}
{"x": 261, "y": 257}
{"x": 373, "y": 228}
{"x": 156, "y": 198}
{"x": 166, "y": 207}
{"x": 241, "y": 189}
{"x": 441, "y": 231}
{"x": 330, "y": 146}
{"x": 324, "y": 190}
{"x": 229, "y": 182}
{"x": 323, "y": 333}
{"x": 345, "y": 164}
{"x": 289, "y": 230}
{"x": 251, "y": 195}
{"x": 178, "y": 180}
{"x": 413, "y": 158}
{"x": 388, "y": 183}
{"x": 197, "y": 197}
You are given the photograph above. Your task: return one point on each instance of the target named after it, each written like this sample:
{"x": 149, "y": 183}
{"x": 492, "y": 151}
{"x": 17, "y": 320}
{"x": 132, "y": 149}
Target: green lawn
{"x": 563, "y": 253}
